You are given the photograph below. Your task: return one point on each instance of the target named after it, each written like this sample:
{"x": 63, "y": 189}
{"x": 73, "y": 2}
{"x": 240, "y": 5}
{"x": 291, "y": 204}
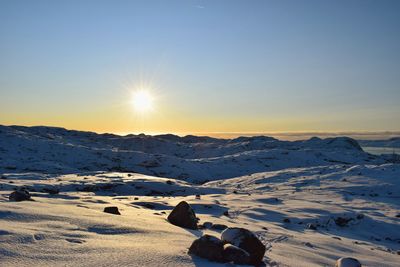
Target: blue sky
{"x": 211, "y": 65}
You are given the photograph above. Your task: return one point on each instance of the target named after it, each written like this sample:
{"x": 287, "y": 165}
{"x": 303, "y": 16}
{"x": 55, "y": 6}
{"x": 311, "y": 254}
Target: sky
{"x": 210, "y": 66}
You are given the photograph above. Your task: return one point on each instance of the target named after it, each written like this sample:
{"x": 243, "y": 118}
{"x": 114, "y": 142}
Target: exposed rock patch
{"x": 112, "y": 210}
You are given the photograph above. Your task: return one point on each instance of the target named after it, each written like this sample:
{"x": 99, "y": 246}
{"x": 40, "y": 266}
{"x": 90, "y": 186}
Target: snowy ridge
{"x": 190, "y": 158}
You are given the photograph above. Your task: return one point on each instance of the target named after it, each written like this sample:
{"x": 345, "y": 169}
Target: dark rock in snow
{"x": 208, "y": 247}
{"x": 308, "y": 244}
{"x": 183, "y": 215}
{"x": 247, "y": 241}
{"x": 112, "y": 210}
{"x": 20, "y": 195}
{"x": 236, "y": 255}
{"x": 347, "y": 262}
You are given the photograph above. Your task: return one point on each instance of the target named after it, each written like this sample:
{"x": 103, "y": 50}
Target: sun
{"x": 142, "y": 101}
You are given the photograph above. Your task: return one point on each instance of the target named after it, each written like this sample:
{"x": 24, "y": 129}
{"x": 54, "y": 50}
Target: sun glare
{"x": 142, "y": 101}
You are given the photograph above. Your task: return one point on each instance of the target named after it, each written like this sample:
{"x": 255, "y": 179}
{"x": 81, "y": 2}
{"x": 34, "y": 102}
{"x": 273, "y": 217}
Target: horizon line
{"x": 219, "y": 134}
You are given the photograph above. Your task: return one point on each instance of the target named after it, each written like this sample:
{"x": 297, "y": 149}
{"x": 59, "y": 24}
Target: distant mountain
{"x": 190, "y": 158}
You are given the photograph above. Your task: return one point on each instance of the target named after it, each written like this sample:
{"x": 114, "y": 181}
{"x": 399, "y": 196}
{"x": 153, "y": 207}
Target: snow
{"x": 273, "y": 188}
{"x": 232, "y": 236}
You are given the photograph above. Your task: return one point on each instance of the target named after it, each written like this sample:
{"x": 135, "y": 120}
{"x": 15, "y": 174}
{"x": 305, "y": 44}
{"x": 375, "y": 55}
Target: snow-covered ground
{"x": 310, "y": 202}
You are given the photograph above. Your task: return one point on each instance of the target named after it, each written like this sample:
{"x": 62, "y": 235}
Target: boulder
{"x": 236, "y": 255}
{"x": 183, "y": 215}
{"x": 347, "y": 262}
{"x": 245, "y": 240}
{"x": 112, "y": 210}
{"x": 20, "y": 195}
{"x": 208, "y": 247}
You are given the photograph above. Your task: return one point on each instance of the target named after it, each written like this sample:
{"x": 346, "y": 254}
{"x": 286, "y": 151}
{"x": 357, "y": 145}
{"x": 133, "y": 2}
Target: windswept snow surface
{"x": 310, "y": 202}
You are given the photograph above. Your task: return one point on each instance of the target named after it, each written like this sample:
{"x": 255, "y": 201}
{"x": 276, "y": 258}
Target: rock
{"x": 218, "y": 226}
{"x": 183, "y": 215}
{"x": 286, "y": 220}
{"x": 208, "y": 247}
{"x": 245, "y": 240}
{"x": 347, "y": 262}
{"x": 20, "y": 195}
{"x": 112, "y": 210}
{"x": 236, "y": 255}
{"x": 308, "y": 244}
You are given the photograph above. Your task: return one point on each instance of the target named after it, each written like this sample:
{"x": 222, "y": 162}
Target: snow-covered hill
{"x": 190, "y": 158}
